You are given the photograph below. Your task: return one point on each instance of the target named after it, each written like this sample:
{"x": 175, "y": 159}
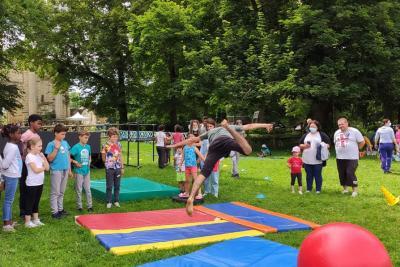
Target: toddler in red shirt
{"x": 295, "y": 163}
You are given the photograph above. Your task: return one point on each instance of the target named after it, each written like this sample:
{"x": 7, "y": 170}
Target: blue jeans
{"x": 10, "y": 188}
{"x": 386, "y": 153}
{"x": 313, "y": 171}
{"x": 211, "y": 184}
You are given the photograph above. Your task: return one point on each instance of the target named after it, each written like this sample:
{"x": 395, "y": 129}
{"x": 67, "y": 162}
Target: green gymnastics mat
{"x": 134, "y": 188}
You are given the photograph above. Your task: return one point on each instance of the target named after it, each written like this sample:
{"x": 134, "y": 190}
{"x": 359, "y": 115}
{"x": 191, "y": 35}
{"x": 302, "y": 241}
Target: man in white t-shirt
{"x": 160, "y": 139}
{"x": 348, "y": 141}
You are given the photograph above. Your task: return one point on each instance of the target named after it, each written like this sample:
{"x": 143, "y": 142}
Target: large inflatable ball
{"x": 342, "y": 245}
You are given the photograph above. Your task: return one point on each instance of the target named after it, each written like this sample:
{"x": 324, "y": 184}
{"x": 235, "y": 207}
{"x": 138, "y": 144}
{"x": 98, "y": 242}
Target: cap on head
{"x": 296, "y": 149}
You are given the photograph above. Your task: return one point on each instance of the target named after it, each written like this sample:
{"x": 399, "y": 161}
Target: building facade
{"x": 37, "y": 98}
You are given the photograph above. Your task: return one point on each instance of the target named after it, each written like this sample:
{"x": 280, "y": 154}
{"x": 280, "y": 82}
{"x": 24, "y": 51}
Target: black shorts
{"x": 221, "y": 147}
{"x": 293, "y": 178}
{"x": 347, "y": 172}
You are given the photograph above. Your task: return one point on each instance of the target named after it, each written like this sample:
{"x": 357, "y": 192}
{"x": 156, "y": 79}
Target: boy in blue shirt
{"x": 81, "y": 157}
{"x": 57, "y": 152}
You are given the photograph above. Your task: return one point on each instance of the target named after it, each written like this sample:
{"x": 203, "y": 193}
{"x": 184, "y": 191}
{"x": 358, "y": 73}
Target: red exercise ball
{"x": 342, "y": 245}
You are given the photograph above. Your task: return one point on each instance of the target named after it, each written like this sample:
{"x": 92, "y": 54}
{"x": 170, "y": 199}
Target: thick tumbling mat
{"x": 256, "y": 218}
{"x": 134, "y": 188}
{"x": 244, "y": 251}
{"x": 180, "y": 235}
{"x": 125, "y": 222}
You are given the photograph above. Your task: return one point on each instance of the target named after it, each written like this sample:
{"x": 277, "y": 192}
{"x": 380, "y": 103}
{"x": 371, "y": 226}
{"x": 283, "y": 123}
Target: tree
{"x": 160, "y": 38}
{"x": 85, "y": 44}
{"x": 9, "y": 41}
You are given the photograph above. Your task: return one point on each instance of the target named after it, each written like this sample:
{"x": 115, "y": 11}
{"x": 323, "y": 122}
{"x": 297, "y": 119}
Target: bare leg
{"x": 196, "y": 186}
{"x": 242, "y": 142}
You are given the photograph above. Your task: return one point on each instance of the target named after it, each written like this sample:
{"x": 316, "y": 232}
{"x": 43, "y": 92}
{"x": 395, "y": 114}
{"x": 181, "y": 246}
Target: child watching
{"x": 81, "y": 154}
{"x": 180, "y": 169}
{"x": 265, "y": 151}
{"x": 10, "y": 168}
{"x": 111, "y": 154}
{"x": 35, "y": 124}
{"x": 295, "y": 163}
{"x": 57, "y": 152}
{"x": 211, "y": 184}
{"x": 189, "y": 156}
{"x": 36, "y": 164}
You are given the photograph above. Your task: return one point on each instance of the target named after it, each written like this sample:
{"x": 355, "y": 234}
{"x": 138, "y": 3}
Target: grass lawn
{"x": 63, "y": 243}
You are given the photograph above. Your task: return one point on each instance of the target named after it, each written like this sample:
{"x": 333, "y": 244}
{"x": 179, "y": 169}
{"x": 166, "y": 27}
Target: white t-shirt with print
{"x": 34, "y": 179}
{"x": 160, "y": 137}
{"x": 346, "y": 143}
{"x": 310, "y": 154}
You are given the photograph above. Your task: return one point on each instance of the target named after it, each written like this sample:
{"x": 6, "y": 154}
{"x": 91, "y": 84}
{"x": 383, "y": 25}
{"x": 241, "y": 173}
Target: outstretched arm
{"x": 252, "y": 126}
{"x": 191, "y": 140}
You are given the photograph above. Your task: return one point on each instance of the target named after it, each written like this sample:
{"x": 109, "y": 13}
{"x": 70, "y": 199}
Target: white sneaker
{"x": 308, "y": 191}
{"x": 38, "y": 222}
{"x": 354, "y": 194}
{"x": 300, "y": 192}
{"x": 318, "y": 192}
{"x": 30, "y": 224}
{"x": 116, "y": 204}
{"x": 293, "y": 192}
{"x": 108, "y": 205}
{"x": 345, "y": 191}
{"x": 8, "y": 228}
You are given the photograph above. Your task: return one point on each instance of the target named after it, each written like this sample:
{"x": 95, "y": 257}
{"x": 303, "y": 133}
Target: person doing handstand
{"x": 223, "y": 140}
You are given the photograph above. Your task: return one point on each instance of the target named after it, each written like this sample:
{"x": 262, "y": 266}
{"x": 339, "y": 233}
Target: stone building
{"x": 37, "y": 97}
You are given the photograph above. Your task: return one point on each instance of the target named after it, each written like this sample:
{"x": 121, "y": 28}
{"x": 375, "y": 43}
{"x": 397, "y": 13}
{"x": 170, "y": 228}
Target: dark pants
{"x": 220, "y": 147}
{"x": 161, "y": 156}
{"x": 32, "y": 199}
{"x": 347, "y": 171}
{"x": 167, "y": 155}
{"x": 22, "y": 190}
{"x": 313, "y": 172}
{"x": 294, "y": 176}
{"x": 386, "y": 154}
{"x": 113, "y": 179}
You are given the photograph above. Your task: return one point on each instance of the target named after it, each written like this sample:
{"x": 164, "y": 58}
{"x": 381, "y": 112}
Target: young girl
{"x": 189, "y": 154}
{"x": 295, "y": 163}
{"x": 11, "y": 168}
{"x": 180, "y": 169}
{"x": 36, "y": 164}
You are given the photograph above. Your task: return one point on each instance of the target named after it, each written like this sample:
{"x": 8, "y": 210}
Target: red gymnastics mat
{"x": 119, "y": 221}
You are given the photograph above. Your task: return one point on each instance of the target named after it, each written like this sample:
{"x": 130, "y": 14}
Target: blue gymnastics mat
{"x": 244, "y": 251}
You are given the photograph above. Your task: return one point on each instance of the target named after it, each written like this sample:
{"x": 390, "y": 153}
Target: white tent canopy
{"x": 77, "y": 117}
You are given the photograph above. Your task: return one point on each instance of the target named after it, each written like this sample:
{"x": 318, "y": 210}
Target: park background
{"x": 171, "y": 61}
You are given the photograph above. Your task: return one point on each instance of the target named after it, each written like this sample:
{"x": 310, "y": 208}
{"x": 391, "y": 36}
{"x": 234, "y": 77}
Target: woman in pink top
{"x": 177, "y": 137}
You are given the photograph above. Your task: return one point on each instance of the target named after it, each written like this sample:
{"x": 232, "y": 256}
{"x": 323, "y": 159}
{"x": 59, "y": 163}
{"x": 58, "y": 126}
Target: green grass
{"x": 63, "y": 243}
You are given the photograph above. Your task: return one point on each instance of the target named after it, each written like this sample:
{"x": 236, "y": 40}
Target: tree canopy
{"x": 169, "y": 61}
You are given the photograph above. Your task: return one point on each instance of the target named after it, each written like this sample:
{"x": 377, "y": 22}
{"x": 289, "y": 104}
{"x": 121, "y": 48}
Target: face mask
{"x": 313, "y": 130}
{"x": 195, "y": 128}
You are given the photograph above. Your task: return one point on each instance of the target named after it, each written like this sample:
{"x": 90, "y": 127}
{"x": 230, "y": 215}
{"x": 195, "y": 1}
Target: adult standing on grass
{"x": 386, "y": 140}
{"x": 311, "y": 143}
{"x": 348, "y": 141}
{"x": 160, "y": 145}
{"x": 235, "y": 156}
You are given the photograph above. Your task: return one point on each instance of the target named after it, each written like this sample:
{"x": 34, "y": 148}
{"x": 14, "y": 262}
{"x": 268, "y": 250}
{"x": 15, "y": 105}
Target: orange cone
{"x": 390, "y": 198}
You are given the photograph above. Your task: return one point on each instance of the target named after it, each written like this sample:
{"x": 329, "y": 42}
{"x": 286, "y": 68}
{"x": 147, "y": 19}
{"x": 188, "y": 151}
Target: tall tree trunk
{"x": 322, "y": 112}
{"x": 173, "y": 77}
{"x": 122, "y": 101}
